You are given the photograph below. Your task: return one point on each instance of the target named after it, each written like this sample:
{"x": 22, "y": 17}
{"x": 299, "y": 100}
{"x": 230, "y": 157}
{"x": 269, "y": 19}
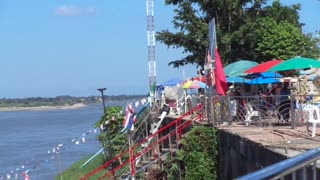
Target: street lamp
{"x": 102, "y": 96}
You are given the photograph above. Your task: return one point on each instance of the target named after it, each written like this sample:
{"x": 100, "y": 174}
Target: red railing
{"x": 179, "y": 126}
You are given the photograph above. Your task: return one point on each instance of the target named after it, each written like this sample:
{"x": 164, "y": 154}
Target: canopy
{"x": 238, "y": 68}
{"x": 296, "y": 63}
{"x": 172, "y": 82}
{"x": 195, "y": 84}
{"x": 264, "y": 75}
{"x": 239, "y": 80}
{"x": 261, "y": 80}
{"x": 201, "y": 78}
{"x": 260, "y": 68}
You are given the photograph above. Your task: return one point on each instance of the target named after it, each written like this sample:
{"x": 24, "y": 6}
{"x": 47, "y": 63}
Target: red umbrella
{"x": 263, "y": 67}
{"x": 201, "y": 78}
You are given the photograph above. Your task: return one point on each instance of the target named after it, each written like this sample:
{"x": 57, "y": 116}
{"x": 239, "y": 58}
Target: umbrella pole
{"x": 185, "y": 101}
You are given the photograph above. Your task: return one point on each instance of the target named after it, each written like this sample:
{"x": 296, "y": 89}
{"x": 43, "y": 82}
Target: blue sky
{"x": 73, "y": 47}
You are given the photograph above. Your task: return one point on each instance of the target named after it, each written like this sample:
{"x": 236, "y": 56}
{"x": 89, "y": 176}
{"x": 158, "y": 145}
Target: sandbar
{"x": 44, "y": 108}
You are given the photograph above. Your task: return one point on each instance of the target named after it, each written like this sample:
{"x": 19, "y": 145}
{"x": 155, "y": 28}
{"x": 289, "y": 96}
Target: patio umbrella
{"x": 296, "y": 63}
{"x": 261, "y": 80}
{"x": 263, "y": 67}
{"x": 238, "y": 68}
{"x": 195, "y": 84}
{"x": 201, "y": 78}
{"x": 239, "y": 80}
{"x": 172, "y": 82}
{"x": 264, "y": 75}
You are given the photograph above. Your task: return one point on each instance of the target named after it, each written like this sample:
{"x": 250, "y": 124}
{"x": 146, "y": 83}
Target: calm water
{"x": 26, "y": 137}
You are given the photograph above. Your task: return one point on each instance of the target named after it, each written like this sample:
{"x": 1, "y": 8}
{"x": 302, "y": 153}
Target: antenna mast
{"x": 151, "y": 44}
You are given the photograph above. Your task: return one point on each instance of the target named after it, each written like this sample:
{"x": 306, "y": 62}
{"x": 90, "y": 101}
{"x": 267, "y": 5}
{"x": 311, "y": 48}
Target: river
{"x": 28, "y": 139}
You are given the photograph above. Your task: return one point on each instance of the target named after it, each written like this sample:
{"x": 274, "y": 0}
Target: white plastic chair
{"x": 313, "y": 116}
{"x": 250, "y": 113}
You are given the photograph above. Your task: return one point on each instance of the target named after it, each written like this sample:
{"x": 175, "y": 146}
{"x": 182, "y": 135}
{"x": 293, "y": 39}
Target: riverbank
{"x": 44, "y": 108}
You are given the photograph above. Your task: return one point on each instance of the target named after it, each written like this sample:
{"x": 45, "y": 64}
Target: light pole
{"x": 104, "y": 110}
{"x": 102, "y": 96}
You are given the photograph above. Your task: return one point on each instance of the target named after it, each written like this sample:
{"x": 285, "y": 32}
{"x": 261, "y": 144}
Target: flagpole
{"x": 212, "y": 44}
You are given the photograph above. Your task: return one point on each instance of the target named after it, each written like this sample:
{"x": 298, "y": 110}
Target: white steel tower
{"x": 151, "y": 44}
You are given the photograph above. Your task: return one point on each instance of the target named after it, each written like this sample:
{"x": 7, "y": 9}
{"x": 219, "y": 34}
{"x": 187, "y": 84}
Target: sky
{"x": 73, "y": 47}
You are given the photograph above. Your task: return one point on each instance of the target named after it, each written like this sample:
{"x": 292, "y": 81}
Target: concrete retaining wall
{"x": 238, "y": 156}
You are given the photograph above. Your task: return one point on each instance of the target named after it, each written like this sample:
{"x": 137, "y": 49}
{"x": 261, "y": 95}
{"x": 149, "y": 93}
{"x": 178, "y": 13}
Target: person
{"x": 236, "y": 103}
{"x": 240, "y": 104}
{"x": 232, "y": 103}
{"x": 285, "y": 103}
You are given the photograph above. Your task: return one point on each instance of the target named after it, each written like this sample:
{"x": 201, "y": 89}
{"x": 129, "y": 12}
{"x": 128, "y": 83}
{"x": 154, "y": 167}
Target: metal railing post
{"x": 229, "y": 112}
{"x": 292, "y": 110}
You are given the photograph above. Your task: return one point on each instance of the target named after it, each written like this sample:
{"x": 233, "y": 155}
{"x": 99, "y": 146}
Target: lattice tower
{"x": 151, "y": 44}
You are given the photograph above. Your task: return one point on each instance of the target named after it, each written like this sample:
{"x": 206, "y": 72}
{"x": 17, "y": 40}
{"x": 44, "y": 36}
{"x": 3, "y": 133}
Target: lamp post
{"x": 102, "y": 96}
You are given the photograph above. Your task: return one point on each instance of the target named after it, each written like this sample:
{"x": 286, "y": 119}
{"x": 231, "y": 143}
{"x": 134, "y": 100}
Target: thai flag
{"x": 128, "y": 119}
{"x": 26, "y": 176}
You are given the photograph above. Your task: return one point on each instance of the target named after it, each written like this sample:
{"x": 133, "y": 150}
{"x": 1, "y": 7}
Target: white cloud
{"x": 69, "y": 10}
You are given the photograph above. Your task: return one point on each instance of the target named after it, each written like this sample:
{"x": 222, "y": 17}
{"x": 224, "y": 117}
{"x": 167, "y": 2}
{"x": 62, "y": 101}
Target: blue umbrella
{"x": 261, "y": 80}
{"x": 264, "y": 75}
{"x": 172, "y": 82}
{"x": 237, "y": 80}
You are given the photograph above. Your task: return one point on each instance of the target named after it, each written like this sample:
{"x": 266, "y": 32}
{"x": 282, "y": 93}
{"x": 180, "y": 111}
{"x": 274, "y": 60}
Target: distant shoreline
{"x": 44, "y": 108}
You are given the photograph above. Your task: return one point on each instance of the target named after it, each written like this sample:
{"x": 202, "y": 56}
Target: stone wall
{"x": 239, "y": 156}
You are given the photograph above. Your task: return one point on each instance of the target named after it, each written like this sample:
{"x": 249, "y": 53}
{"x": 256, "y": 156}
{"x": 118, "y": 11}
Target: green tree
{"x": 197, "y": 156}
{"x": 279, "y": 40}
{"x": 239, "y": 34}
{"x": 110, "y": 137}
{"x": 192, "y": 36}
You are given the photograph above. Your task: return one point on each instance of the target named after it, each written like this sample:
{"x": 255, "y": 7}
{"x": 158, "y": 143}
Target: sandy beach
{"x": 42, "y": 108}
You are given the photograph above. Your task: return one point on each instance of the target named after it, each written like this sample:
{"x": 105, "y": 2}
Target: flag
{"x": 136, "y": 104}
{"x": 26, "y": 176}
{"x": 217, "y": 75}
{"x": 128, "y": 119}
{"x": 143, "y": 101}
{"x": 130, "y": 125}
{"x": 134, "y": 118}
{"x": 220, "y": 77}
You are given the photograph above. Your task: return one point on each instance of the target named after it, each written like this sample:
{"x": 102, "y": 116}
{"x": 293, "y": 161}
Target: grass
{"x": 74, "y": 172}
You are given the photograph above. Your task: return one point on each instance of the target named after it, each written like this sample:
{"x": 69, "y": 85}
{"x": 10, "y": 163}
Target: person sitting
{"x": 285, "y": 103}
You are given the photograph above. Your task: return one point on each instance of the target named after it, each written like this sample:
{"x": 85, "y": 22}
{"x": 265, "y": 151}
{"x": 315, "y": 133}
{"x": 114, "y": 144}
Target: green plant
{"x": 198, "y": 154}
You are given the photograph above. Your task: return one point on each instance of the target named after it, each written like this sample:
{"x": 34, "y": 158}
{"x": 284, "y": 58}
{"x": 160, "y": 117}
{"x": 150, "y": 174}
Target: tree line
{"x": 62, "y": 100}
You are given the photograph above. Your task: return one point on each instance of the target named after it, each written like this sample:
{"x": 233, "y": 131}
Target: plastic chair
{"x": 250, "y": 113}
{"x": 313, "y": 116}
